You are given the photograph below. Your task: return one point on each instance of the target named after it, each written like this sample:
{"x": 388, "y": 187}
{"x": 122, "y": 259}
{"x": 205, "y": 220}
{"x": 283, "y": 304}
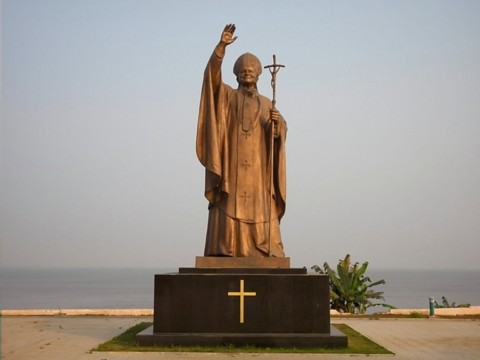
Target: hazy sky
{"x": 98, "y": 123}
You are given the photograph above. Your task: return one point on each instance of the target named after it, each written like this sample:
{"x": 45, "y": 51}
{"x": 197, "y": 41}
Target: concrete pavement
{"x": 72, "y": 337}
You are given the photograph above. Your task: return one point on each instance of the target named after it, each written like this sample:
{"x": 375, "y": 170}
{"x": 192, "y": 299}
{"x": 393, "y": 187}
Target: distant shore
{"x": 468, "y": 311}
{"x": 134, "y": 288}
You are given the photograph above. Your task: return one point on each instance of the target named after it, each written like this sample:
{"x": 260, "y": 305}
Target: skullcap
{"x": 247, "y": 59}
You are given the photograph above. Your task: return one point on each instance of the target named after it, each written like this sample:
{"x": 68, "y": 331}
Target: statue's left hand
{"x": 275, "y": 117}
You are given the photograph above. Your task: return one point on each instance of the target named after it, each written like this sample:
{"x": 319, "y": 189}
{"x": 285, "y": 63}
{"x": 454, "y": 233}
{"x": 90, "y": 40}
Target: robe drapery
{"x": 233, "y": 144}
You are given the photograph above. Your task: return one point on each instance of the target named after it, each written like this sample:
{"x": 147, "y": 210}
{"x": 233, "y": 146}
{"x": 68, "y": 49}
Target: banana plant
{"x": 350, "y": 290}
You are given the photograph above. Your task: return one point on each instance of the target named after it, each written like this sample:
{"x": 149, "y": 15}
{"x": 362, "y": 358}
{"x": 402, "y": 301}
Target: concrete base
{"x": 334, "y": 338}
{"x": 242, "y": 262}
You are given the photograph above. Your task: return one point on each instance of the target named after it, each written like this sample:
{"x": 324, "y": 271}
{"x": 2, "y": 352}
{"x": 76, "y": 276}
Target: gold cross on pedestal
{"x": 242, "y": 295}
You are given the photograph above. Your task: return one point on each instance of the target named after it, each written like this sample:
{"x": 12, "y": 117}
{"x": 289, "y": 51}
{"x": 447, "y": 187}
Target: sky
{"x": 99, "y": 105}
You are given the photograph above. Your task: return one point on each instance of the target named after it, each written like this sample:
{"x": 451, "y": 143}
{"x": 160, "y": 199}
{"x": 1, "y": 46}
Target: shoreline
{"x": 472, "y": 310}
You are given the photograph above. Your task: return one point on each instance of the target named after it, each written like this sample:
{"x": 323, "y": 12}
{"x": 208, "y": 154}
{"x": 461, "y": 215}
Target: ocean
{"x": 133, "y": 288}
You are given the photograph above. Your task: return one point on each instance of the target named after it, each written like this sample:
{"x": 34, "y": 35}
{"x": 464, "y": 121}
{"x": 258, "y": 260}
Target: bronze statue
{"x": 241, "y": 143}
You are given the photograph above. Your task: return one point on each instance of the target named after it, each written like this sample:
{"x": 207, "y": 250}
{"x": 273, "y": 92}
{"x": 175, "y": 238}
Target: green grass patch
{"x": 357, "y": 344}
{"x": 417, "y": 315}
{"x": 125, "y": 341}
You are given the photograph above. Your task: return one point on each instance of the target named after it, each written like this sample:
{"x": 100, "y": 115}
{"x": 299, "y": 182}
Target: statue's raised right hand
{"x": 227, "y": 34}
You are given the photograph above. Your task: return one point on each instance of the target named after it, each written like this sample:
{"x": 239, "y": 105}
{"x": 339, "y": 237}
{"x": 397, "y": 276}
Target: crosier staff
{"x": 273, "y": 68}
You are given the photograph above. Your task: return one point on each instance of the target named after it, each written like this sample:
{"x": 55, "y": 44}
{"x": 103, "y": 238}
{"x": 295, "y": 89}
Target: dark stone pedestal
{"x": 260, "y": 307}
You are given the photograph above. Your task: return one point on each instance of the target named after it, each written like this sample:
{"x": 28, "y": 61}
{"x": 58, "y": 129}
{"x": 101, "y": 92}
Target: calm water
{"x": 127, "y": 288}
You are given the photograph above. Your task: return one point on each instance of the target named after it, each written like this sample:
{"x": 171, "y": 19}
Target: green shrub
{"x": 350, "y": 290}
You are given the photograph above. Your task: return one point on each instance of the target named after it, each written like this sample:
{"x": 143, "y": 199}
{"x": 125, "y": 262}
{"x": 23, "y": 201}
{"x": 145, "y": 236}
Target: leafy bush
{"x": 446, "y": 304}
{"x": 350, "y": 290}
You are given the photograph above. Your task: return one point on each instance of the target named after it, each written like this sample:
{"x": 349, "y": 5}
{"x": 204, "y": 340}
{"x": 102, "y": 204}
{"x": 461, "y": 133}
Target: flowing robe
{"x": 246, "y": 201}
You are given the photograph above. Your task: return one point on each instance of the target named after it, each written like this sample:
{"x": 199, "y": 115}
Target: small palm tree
{"x": 350, "y": 290}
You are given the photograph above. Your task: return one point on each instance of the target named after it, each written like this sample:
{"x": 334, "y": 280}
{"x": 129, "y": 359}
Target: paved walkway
{"x": 72, "y": 337}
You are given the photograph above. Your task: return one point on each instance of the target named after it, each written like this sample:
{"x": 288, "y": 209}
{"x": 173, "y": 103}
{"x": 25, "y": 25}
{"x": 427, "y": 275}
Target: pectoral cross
{"x": 242, "y": 295}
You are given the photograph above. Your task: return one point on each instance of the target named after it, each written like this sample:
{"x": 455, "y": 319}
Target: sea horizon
{"x": 118, "y": 288}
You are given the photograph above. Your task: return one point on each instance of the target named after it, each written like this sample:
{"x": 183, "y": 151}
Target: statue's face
{"x": 247, "y": 76}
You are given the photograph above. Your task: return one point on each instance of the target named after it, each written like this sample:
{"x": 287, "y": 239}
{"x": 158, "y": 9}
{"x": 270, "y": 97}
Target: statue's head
{"x": 247, "y": 68}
